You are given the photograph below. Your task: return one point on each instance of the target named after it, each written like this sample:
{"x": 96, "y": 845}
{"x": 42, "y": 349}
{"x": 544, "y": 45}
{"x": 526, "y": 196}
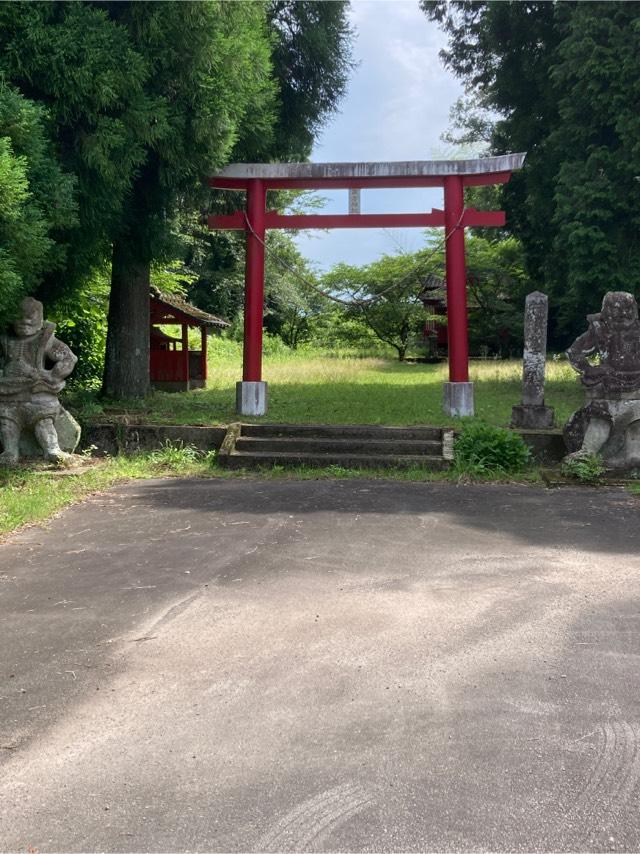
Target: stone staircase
{"x": 347, "y": 446}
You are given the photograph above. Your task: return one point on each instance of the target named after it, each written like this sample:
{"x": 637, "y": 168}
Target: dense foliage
{"x": 563, "y": 79}
{"x": 587, "y": 468}
{"x": 36, "y": 200}
{"x": 384, "y": 297}
{"x": 82, "y": 70}
{"x": 141, "y": 101}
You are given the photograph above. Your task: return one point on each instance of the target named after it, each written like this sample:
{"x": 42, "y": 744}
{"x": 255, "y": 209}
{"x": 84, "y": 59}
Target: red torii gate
{"x": 454, "y": 175}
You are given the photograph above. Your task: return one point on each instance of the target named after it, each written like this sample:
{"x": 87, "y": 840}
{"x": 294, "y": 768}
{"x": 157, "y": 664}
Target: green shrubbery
{"x": 587, "y": 468}
{"x": 482, "y": 449}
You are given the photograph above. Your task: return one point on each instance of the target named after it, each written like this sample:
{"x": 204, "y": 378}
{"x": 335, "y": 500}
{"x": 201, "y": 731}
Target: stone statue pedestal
{"x": 609, "y": 426}
{"x": 532, "y": 417}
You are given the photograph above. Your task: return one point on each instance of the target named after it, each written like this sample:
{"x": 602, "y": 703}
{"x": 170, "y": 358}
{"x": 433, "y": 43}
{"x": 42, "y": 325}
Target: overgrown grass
{"x": 33, "y": 494}
{"x": 308, "y": 386}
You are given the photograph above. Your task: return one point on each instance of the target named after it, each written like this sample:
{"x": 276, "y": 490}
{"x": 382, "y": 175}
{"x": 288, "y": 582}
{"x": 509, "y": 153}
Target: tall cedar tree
{"x": 565, "y": 81}
{"x": 209, "y": 79}
{"x": 85, "y": 79}
{"x": 221, "y": 95}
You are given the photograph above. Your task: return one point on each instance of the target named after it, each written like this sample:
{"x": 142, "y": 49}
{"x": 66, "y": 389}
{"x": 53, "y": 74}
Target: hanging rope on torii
{"x": 453, "y": 175}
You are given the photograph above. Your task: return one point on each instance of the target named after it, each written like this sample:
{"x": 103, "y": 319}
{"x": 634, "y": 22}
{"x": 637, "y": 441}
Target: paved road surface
{"x": 252, "y": 665}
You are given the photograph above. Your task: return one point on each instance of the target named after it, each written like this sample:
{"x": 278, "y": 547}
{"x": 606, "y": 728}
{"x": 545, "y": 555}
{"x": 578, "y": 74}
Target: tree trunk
{"x": 126, "y": 370}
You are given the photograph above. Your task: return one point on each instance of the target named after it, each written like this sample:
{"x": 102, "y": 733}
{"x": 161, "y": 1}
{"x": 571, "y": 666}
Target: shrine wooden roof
{"x": 181, "y": 311}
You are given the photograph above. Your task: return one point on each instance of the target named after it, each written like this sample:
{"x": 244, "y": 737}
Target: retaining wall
{"x": 547, "y": 446}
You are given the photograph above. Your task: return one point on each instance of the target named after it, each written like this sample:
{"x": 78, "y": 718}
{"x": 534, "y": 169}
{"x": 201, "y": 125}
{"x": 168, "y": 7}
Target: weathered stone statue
{"x": 609, "y": 424}
{"x": 33, "y": 367}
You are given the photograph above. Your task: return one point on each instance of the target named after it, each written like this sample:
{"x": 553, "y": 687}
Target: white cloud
{"x": 396, "y": 108}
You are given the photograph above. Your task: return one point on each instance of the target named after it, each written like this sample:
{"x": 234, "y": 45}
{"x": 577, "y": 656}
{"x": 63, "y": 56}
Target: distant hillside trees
{"x": 385, "y": 299}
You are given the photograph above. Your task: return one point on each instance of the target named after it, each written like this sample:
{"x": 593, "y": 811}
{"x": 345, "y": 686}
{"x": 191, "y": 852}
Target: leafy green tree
{"x": 563, "y": 79}
{"x": 144, "y": 100}
{"x": 36, "y": 200}
{"x": 290, "y": 305}
{"x": 311, "y": 61}
{"x": 497, "y": 285}
{"x": 81, "y": 320}
{"x": 336, "y": 328}
{"x": 217, "y": 261}
{"x": 209, "y": 80}
{"x": 217, "y": 95}
{"x": 596, "y": 218}
{"x": 388, "y": 294}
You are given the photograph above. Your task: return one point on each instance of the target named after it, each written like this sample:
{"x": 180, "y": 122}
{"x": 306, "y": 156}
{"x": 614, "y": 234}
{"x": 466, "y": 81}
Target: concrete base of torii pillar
{"x": 251, "y": 398}
{"x": 457, "y": 401}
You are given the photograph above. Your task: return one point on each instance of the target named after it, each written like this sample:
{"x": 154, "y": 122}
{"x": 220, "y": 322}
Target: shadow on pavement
{"x": 604, "y": 520}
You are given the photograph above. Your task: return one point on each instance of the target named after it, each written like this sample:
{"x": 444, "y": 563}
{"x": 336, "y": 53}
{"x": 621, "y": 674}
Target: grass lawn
{"x": 312, "y": 387}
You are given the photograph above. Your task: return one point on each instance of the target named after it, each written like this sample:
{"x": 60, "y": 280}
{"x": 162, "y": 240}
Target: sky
{"x": 396, "y": 107}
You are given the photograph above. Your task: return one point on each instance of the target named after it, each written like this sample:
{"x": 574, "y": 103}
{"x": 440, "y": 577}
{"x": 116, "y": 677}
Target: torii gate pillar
{"x": 251, "y": 392}
{"x": 458, "y": 392}
{"x": 454, "y": 175}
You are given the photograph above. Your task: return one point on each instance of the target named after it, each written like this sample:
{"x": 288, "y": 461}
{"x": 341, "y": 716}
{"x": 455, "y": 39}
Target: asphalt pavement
{"x": 281, "y": 665}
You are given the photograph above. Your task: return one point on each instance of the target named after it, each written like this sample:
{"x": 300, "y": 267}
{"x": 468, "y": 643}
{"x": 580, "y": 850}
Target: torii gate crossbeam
{"x": 453, "y": 175}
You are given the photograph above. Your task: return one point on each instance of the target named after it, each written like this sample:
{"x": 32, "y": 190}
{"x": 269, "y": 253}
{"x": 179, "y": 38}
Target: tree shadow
{"x": 589, "y": 520}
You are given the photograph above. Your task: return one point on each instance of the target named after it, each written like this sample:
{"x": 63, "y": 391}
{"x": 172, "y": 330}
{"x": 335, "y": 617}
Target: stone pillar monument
{"x": 532, "y": 412}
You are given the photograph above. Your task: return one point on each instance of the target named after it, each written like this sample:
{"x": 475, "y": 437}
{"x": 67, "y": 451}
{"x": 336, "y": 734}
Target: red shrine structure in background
{"x": 172, "y": 365}
{"x": 453, "y": 175}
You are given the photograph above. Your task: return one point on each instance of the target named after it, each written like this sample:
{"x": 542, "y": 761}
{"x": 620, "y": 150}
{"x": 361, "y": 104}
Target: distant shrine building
{"x": 255, "y": 179}
{"x": 172, "y": 365}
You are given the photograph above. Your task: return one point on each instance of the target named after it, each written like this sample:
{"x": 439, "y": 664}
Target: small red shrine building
{"x": 172, "y": 365}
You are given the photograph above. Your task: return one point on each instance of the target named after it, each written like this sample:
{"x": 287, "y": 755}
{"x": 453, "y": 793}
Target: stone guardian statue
{"x": 33, "y": 367}
{"x": 607, "y": 357}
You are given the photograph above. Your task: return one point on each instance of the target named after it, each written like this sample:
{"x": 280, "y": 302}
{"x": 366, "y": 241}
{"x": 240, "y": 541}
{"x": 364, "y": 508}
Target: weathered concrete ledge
{"x": 112, "y": 439}
{"x": 546, "y": 446}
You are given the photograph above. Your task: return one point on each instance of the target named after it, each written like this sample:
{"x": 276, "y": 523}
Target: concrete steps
{"x": 341, "y": 431}
{"x": 307, "y": 445}
{"x": 347, "y": 446}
